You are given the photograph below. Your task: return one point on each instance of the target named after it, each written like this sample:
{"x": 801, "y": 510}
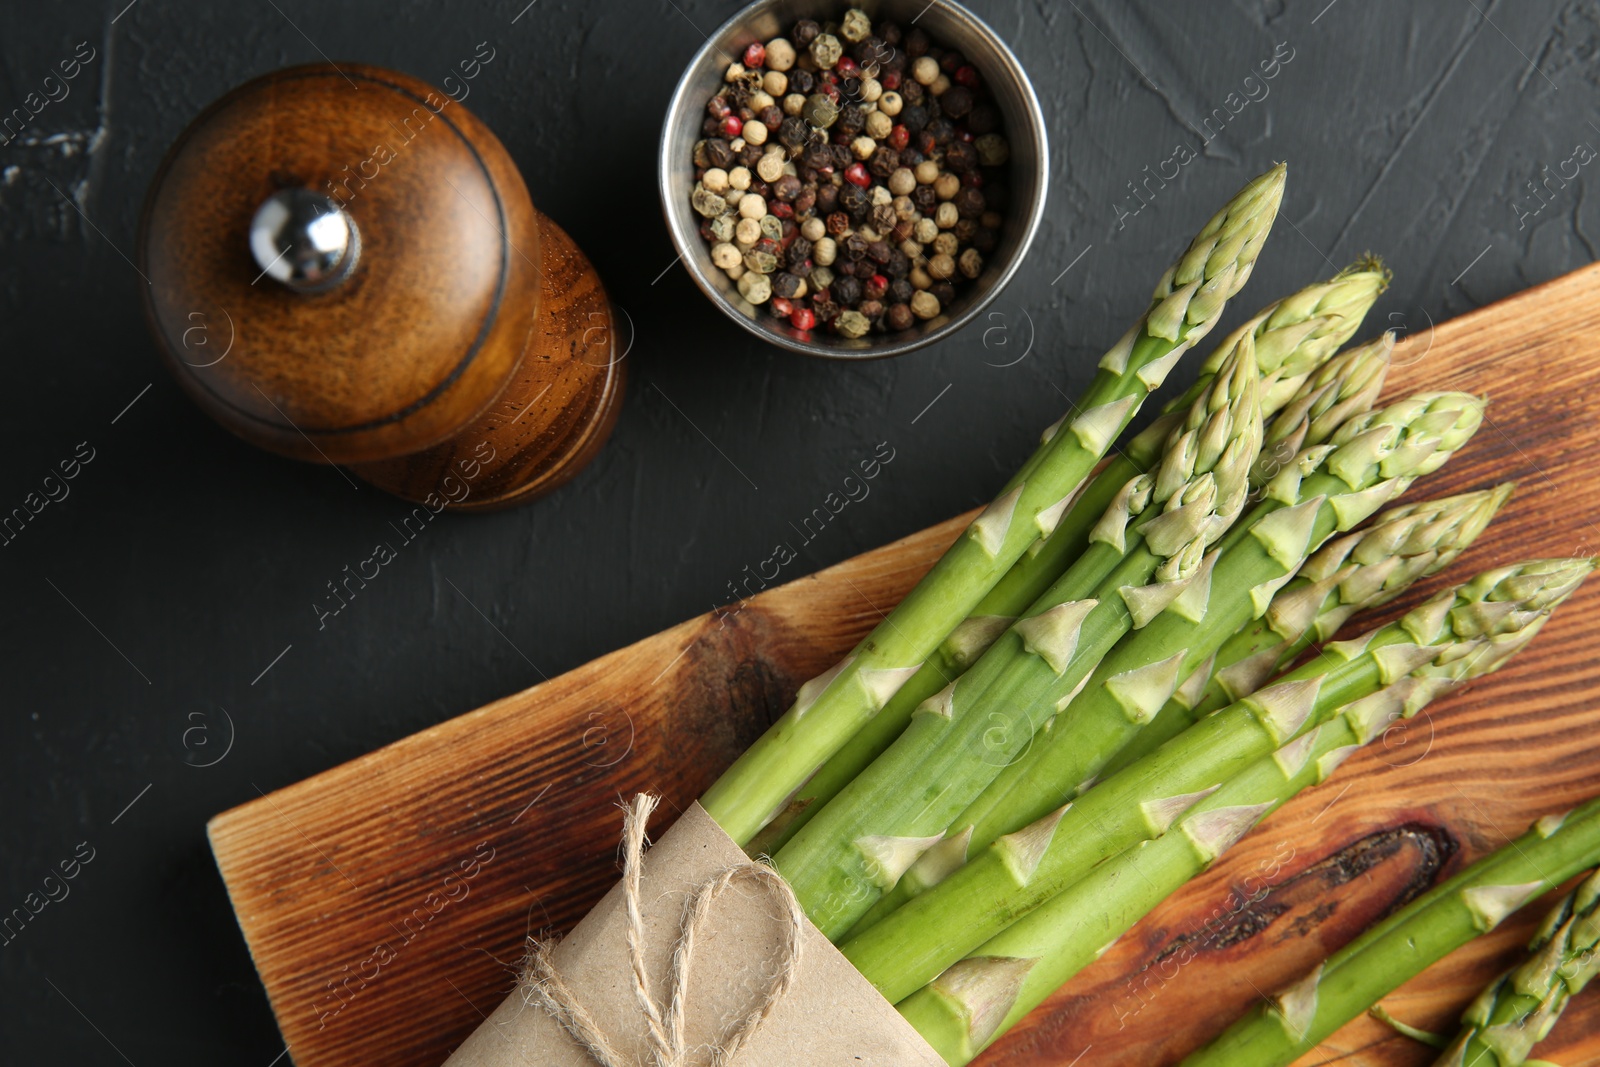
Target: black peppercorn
{"x": 917, "y": 43}
{"x": 943, "y": 131}
{"x": 855, "y": 246}
{"x": 750, "y": 155}
{"x": 900, "y": 290}
{"x": 913, "y": 117}
{"x": 799, "y": 249}
{"x": 842, "y": 156}
{"x": 960, "y": 157}
{"x": 944, "y": 292}
{"x": 711, "y": 127}
{"x": 719, "y": 153}
{"x": 883, "y": 217}
{"x": 899, "y": 316}
{"x": 890, "y": 32}
{"x": 805, "y": 31}
{"x": 879, "y": 252}
{"x": 786, "y": 188}
{"x": 925, "y": 142}
{"x": 856, "y": 200}
{"x": 898, "y": 267}
{"x": 883, "y": 162}
{"x": 872, "y": 309}
{"x": 956, "y": 101}
{"x": 845, "y": 268}
{"x": 910, "y": 157}
{"x": 912, "y": 92}
{"x": 838, "y": 223}
{"x": 850, "y": 88}
{"x": 771, "y": 117}
{"x": 935, "y": 109}
{"x": 925, "y": 198}
{"x": 847, "y": 291}
{"x": 965, "y": 230}
{"x": 986, "y": 240}
{"x": 869, "y": 52}
{"x": 952, "y": 61}
{"x": 828, "y": 203}
{"x": 802, "y": 81}
{"x": 985, "y": 118}
{"x": 817, "y": 156}
{"x": 786, "y": 285}
{"x": 970, "y": 202}
{"x": 805, "y": 201}
{"x": 793, "y": 132}
{"x": 800, "y": 268}
{"x": 851, "y": 120}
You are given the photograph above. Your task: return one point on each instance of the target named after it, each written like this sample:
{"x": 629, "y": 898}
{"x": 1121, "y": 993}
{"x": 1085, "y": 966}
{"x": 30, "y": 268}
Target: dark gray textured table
{"x": 163, "y": 609}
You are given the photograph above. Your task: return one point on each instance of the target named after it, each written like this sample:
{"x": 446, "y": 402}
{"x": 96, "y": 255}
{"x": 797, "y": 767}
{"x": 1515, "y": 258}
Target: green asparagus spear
{"x": 1020, "y": 871}
{"x": 1519, "y": 1008}
{"x": 983, "y": 996}
{"x": 1150, "y": 543}
{"x": 1358, "y": 571}
{"x": 1138, "y": 675}
{"x": 1472, "y": 903}
{"x": 1293, "y": 338}
{"x": 832, "y": 707}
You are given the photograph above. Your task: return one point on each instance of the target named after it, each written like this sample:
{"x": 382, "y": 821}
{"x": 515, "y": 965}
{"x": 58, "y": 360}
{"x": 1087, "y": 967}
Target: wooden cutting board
{"x": 385, "y": 901}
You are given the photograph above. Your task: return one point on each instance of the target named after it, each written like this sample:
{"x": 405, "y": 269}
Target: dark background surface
{"x": 184, "y": 563}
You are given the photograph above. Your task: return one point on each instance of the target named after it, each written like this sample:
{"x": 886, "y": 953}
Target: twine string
{"x": 543, "y": 985}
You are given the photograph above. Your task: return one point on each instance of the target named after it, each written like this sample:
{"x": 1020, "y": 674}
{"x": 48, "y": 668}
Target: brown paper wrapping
{"x": 830, "y": 1016}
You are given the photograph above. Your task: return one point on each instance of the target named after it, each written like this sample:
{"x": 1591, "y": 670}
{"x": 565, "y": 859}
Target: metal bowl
{"x": 952, "y": 26}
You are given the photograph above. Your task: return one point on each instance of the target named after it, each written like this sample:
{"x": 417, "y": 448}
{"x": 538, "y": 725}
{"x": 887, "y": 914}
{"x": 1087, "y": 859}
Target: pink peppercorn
{"x": 968, "y": 76}
{"x": 732, "y": 126}
{"x": 890, "y": 80}
{"x": 755, "y": 56}
{"x": 801, "y": 318}
{"x": 846, "y": 67}
{"x": 899, "y": 137}
{"x": 856, "y": 174}
{"x": 781, "y": 307}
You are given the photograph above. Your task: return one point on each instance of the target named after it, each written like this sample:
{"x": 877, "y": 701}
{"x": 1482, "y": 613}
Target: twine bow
{"x": 543, "y": 985}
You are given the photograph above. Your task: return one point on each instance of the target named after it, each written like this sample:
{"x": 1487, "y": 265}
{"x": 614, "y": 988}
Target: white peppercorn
{"x": 904, "y": 209}
{"x": 912, "y": 249}
{"x": 734, "y": 72}
{"x": 924, "y": 305}
{"x": 879, "y": 125}
{"x": 941, "y": 267}
{"x": 770, "y": 166}
{"x": 775, "y": 83}
{"x": 940, "y": 84}
{"x": 793, "y": 104}
{"x": 919, "y": 278}
{"x": 946, "y": 216}
{"x": 753, "y": 207}
{"x": 755, "y": 132}
{"x": 739, "y": 178}
{"x": 890, "y": 103}
{"x": 736, "y": 145}
{"x": 946, "y": 186}
{"x": 971, "y": 263}
{"x": 780, "y": 54}
{"x": 757, "y": 288}
{"x": 738, "y": 270}
{"x": 824, "y": 252}
{"x": 924, "y": 70}
{"x": 871, "y": 89}
{"x": 880, "y": 196}
{"x": 926, "y": 230}
{"x": 901, "y": 182}
{"x": 747, "y": 233}
{"x": 945, "y": 244}
{"x": 813, "y": 229}
{"x": 826, "y": 50}
{"x": 863, "y": 147}
{"x": 760, "y": 100}
{"x": 715, "y": 180}
{"x": 927, "y": 172}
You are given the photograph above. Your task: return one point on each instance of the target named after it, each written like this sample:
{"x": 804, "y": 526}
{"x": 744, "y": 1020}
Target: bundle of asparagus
{"x": 1088, "y": 684}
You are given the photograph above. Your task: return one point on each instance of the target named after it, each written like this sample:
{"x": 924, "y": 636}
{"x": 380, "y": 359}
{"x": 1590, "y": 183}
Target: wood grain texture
{"x": 331, "y": 878}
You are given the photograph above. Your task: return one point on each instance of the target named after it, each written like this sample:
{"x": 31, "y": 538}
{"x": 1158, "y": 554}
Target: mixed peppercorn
{"x": 851, "y": 177}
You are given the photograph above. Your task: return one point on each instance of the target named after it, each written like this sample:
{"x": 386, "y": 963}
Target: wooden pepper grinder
{"x": 346, "y": 267}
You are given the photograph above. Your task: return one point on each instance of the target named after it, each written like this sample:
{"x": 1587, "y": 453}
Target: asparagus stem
{"x": 1519, "y": 1008}
{"x": 1483, "y": 617}
{"x": 961, "y": 1015}
{"x": 1150, "y": 546}
{"x": 829, "y": 709}
{"x": 1401, "y": 946}
{"x": 1293, "y": 338}
{"x": 1350, "y": 574}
